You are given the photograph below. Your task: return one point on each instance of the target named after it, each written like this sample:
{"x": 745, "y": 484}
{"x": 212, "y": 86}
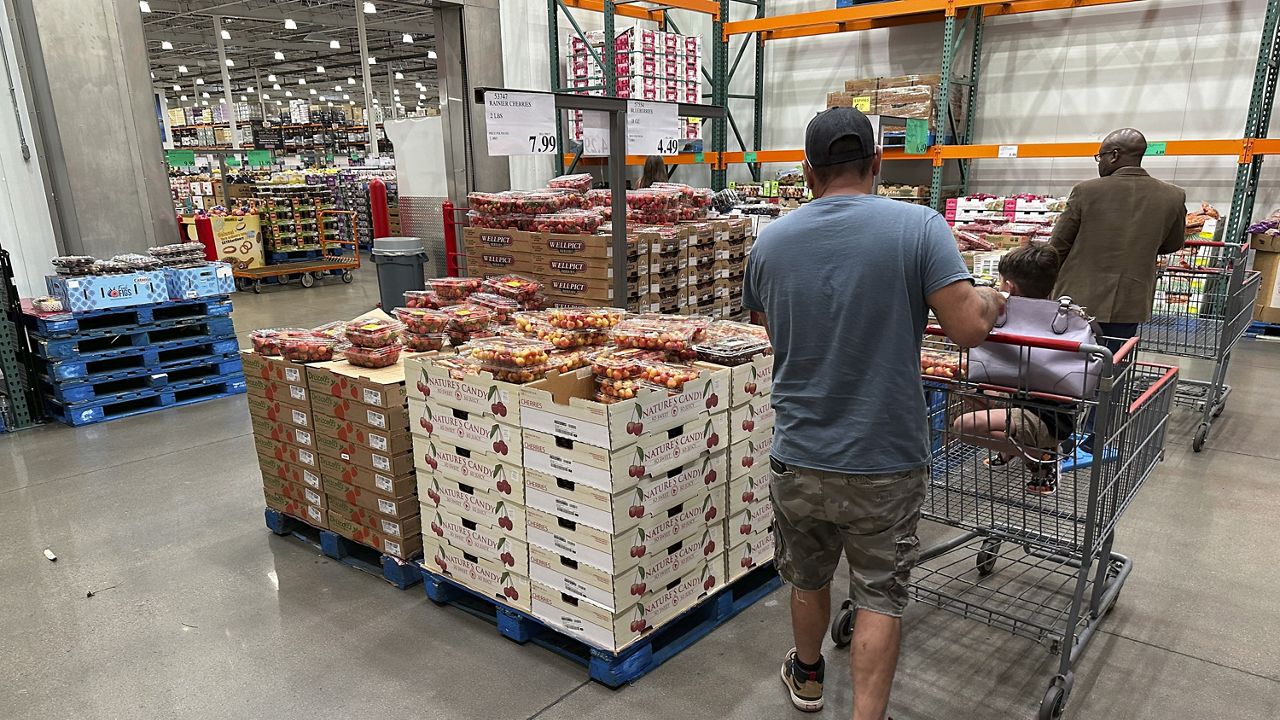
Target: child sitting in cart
{"x": 1035, "y": 431}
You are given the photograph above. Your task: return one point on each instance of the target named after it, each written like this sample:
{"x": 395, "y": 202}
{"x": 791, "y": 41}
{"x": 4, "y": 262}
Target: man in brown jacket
{"x": 1112, "y": 231}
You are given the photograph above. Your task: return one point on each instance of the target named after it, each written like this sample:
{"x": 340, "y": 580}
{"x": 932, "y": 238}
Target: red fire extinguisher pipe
{"x": 450, "y": 240}
{"x": 204, "y": 232}
{"x": 378, "y": 208}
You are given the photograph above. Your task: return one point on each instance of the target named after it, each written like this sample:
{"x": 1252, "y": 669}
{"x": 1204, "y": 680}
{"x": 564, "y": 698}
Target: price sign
{"x": 748, "y": 157}
{"x": 653, "y": 128}
{"x": 595, "y": 133}
{"x": 520, "y": 123}
{"x": 863, "y": 103}
{"x": 1157, "y": 148}
{"x": 258, "y": 158}
{"x": 181, "y": 158}
{"x": 917, "y": 141}
{"x": 1007, "y": 151}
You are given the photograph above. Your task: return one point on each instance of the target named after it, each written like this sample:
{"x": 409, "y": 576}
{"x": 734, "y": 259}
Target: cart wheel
{"x": 347, "y": 277}
{"x": 842, "y": 626}
{"x": 1055, "y": 699}
{"x": 257, "y": 287}
{"x": 243, "y": 284}
{"x": 987, "y": 556}
{"x": 1202, "y": 433}
{"x": 308, "y": 280}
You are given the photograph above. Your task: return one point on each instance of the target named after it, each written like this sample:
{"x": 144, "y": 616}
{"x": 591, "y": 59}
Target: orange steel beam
{"x": 890, "y": 14}
{"x": 633, "y": 11}
{"x": 707, "y": 7}
{"x": 795, "y": 156}
{"x": 1238, "y": 148}
{"x": 682, "y": 159}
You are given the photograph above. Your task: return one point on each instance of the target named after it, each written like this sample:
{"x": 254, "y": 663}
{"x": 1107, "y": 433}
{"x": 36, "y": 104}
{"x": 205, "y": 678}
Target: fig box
{"x": 489, "y": 510}
{"x": 632, "y": 585}
{"x": 478, "y": 432}
{"x": 291, "y": 491}
{"x": 289, "y": 472}
{"x": 99, "y": 292}
{"x": 755, "y": 417}
{"x": 406, "y": 549}
{"x": 478, "y": 393}
{"x": 627, "y": 508}
{"x": 475, "y": 539}
{"x": 484, "y": 576}
{"x": 208, "y": 280}
{"x": 616, "y": 470}
{"x": 565, "y": 406}
{"x": 276, "y": 411}
{"x": 756, "y": 520}
{"x": 392, "y": 419}
{"x": 614, "y": 552}
{"x": 745, "y": 557}
{"x": 284, "y": 452}
{"x": 309, "y": 514}
{"x": 478, "y": 470}
{"x": 282, "y": 432}
{"x": 382, "y": 441}
{"x": 516, "y": 241}
{"x": 749, "y": 490}
{"x": 749, "y": 455}
{"x": 375, "y": 387}
{"x": 381, "y": 484}
{"x": 392, "y": 527}
{"x": 614, "y": 630}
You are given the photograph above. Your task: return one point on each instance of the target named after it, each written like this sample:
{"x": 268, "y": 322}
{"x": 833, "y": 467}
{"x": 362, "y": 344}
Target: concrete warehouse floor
{"x": 208, "y": 615}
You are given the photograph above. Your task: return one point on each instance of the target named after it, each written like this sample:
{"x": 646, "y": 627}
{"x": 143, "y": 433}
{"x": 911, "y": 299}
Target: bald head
{"x": 1122, "y": 148}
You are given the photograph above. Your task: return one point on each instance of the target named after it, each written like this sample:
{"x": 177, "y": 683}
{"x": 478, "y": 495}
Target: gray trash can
{"x": 400, "y": 261}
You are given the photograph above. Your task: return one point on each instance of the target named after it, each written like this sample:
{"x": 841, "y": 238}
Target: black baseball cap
{"x": 838, "y": 135}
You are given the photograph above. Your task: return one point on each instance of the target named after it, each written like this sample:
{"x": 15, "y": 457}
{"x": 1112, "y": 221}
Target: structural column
{"x": 467, "y": 34}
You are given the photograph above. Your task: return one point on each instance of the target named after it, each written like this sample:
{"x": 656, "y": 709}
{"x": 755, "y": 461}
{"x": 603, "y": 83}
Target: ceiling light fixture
{"x": 313, "y": 91}
{"x": 182, "y": 69}
{"x": 407, "y": 38}
{"x": 422, "y": 96}
{"x": 204, "y": 103}
{"x": 177, "y": 88}
{"x": 373, "y": 60}
{"x": 199, "y": 81}
{"x": 351, "y": 81}
{"x": 431, "y": 54}
{"x": 302, "y": 81}
{"x": 243, "y": 98}
{"x": 289, "y": 24}
{"x": 271, "y": 78}
{"x": 144, "y": 6}
{"x": 250, "y": 89}
{"x": 166, "y": 45}
{"x": 337, "y": 88}
{"x": 346, "y": 97}
{"x": 288, "y": 93}
{"x": 279, "y": 103}
{"x": 276, "y": 86}
{"x": 320, "y": 69}
{"x": 205, "y": 95}
{"x": 226, "y": 35}
{"x": 279, "y": 55}
{"x": 335, "y": 44}
{"x": 231, "y": 63}
{"x": 266, "y": 96}
{"x": 399, "y": 75}
{"x": 183, "y": 98}
{"x": 369, "y": 9}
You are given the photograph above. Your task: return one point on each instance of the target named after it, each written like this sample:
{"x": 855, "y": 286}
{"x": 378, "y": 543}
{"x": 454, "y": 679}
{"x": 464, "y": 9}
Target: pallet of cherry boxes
{"x": 603, "y": 521}
{"x": 334, "y": 446}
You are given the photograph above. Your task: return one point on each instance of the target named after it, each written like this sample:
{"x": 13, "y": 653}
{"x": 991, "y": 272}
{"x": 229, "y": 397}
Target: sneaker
{"x": 1044, "y": 478}
{"x": 805, "y": 686}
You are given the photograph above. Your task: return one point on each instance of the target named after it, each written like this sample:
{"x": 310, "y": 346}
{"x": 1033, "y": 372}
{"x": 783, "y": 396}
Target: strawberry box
{"x": 478, "y": 432}
{"x": 274, "y": 369}
{"x": 750, "y": 455}
{"x": 490, "y": 510}
{"x": 476, "y": 539}
{"x": 392, "y": 527}
{"x": 745, "y": 557}
{"x": 634, "y": 584}
{"x": 613, "y": 630}
{"x": 392, "y": 418}
{"x": 379, "y": 483}
{"x": 284, "y": 452}
{"x": 396, "y": 508}
{"x": 616, "y": 512}
{"x": 406, "y": 549}
{"x": 282, "y": 432}
{"x": 274, "y": 410}
{"x": 484, "y": 576}
{"x": 477, "y": 393}
{"x": 565, "y": 406}
{"x": 481, "y": 239}
{"x": 754, "y": 417}
{"x": 296, "y": 395}
{"x": 478, "y": 470}
{"x": 653, "y": 454}
{"x": 383, "y": 441}
{"x": 305, "y": 512}
{"x": 352, "y": 454}
{"x": 749, "y": 490}
{"x": 291, "y": 491}
{"x": 614, "y": 552}
{"x": 295, "y": 474}
{"x": 381, "y": 387}
{"x": 751, "y": 523}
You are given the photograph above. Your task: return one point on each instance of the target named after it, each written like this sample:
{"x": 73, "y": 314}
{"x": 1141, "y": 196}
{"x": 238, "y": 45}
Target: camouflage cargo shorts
{"x": 871, "y": 519}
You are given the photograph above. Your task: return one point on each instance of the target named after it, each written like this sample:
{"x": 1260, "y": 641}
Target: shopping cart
{"x": 1039, "y": 566}
{"x": 1203, "y": 304}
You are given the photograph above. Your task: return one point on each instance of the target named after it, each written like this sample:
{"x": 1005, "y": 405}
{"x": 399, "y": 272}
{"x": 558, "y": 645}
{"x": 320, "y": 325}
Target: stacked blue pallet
{"x": 106, "y": 364}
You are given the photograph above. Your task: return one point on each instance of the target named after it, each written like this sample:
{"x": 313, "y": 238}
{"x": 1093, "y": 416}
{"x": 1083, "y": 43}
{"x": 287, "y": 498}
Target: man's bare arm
{"x": 966, "y": 313}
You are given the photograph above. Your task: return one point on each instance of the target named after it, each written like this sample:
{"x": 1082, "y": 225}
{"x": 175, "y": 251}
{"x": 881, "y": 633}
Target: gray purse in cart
{"x": 1056, "y": 372}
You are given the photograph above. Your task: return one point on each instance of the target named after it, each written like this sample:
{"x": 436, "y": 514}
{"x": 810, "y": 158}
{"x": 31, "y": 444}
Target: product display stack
{"x": 700, "y": 288}
{"x": 905, "y": 96}
{"x": 351, "y": 192}
{"x": 668, "y": 266}
{"x": 292, "y": 217}
{"x": 576, "y": 270}
{"x": 733, "y": 243}
{"x": 750, "y": 434}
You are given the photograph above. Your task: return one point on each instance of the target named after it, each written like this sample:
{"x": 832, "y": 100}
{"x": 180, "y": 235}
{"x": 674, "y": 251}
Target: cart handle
{"x": 1204, "y": 243}
{"x": 1170, "y": 373}
{"x": 1031, "y": 341}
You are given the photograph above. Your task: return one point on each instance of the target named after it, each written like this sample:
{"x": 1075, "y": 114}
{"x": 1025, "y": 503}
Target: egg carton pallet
{"x": 145, "y": 401}
{"x": 399, "y": 573}
{"x": 123, "y": 319}
{"x": 609, "y": 668}
{"x": 105, "y": 343}
{"x": 174, "y": 376}
{"x": 136, "y": 360}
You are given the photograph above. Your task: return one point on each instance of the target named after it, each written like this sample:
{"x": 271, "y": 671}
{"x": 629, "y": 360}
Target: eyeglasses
{"x": 1098, "y": 157}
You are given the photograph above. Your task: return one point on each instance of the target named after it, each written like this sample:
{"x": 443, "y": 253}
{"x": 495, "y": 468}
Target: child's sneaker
{"x": 1044, "y": 477}
{"x": 804, "y": 686}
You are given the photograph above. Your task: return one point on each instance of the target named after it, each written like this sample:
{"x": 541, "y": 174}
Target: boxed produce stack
{"x": 284, "y": 429}
{"x": 625, "y": 485}
{"x": 577, "y": 269}
{"x": 906, "y": 96}
{"x": 668, "y": 266}
{"x": 497, "y": 251}
{"x": 700, "y": 294}
{"x": 351, "y": 192}
{"x": 291, "y": 216}
{"x": 730, "y": 265}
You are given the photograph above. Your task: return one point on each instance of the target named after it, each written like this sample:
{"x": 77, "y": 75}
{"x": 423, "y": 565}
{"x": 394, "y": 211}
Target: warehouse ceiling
{"x": 258, "y": 31}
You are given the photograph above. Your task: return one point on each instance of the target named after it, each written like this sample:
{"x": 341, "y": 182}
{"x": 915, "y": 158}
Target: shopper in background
{"x": 655, "y": 171}
{"x": 1110, "y": 235}
{"x": 844, "y": 285}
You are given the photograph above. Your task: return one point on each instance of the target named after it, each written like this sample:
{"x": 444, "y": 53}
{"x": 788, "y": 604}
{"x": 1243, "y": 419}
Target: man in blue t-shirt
{"x": 844, "y": 285}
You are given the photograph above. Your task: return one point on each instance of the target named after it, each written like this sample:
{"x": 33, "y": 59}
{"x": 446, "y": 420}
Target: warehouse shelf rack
{"x": 719, "y": 79}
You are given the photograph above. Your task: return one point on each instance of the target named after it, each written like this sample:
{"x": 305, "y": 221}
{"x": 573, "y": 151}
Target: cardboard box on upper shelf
{"x": 485, "y": 576}
{"x": 483, "y": 471}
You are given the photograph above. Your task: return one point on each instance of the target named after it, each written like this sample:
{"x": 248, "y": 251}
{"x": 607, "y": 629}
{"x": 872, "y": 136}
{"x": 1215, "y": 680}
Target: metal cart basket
{"x": 1203, "y": 305}
{"x": 1036, "y": 564}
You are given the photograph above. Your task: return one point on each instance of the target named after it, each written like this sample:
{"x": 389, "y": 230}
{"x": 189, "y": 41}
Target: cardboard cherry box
{"x": 479, "y": 470}
{"x": 749, "y": 490}
{"x": 274, "y": 410}
{"x": 479, "y": 393}
{"x": 396, "y": 508}
{"x": 655, "y": 453}
{"x": 750, "y": 380}
{"x": 488, "y": 509}
{"x": 751, "y": 418}
{"x": 307, "y": 513}
{"x": 406, "y": 549}
{"x": 750, "y": 455}
{"x": 618, "y": 511}
{"x": 565, "y": 406}
{"x": 289, "y": 472}
{"x": 745, "y": 557}
{"x": 635, "y": 584}
{"x": 475, "y": 539}
{"x": 392, "y": 527}
{"x": 614, "y": 553}
{"x": 757, "y": 519}
{"x": 614, "y": 630}
{"x": 291, "y": 491}
{"x": 390, "y": 486}
{"x": 484, "y": 576}
{"x": 478, "y": 432}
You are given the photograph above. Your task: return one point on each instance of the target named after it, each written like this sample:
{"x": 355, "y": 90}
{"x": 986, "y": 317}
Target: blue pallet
{"x": 284, "y": 257}
{"x": 136, "y": 359}
{"x": 352, "y": 554}
{"x": 1263, "y": 330}
{"x": 97, "y": 321}
{"x": 178, "y": 374}
{"x": 145, "y": 401}
{"x": 612, "y": 669}
{"x": 94, "y": 346}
